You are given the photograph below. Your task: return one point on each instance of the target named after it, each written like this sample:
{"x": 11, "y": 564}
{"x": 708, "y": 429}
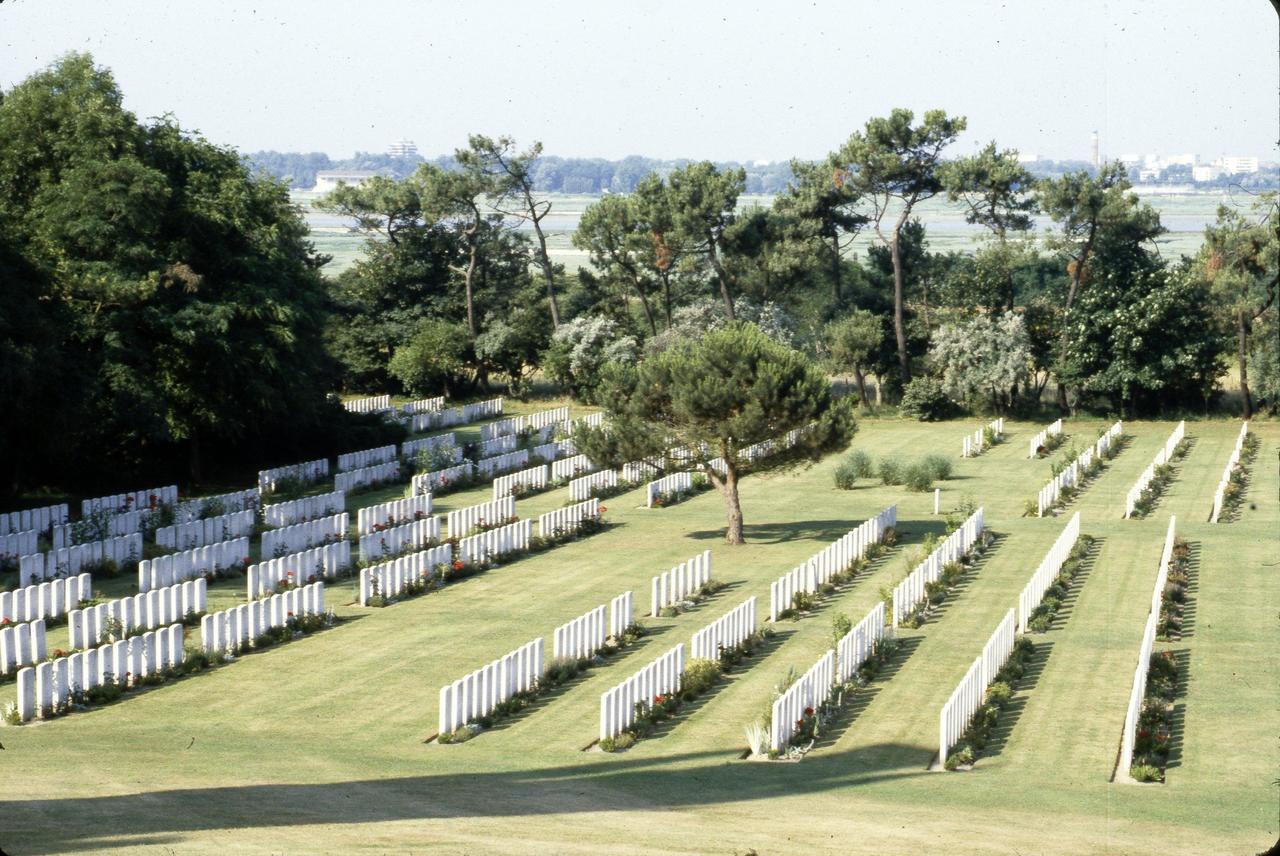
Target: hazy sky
{"x": 677, "y": 79}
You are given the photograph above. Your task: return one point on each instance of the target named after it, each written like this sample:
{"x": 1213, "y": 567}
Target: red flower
{"x": 799, "y": 725}
{"x": 246, "y": 560}
{"x": 603, "y": 509}
{"x": 458, "y": 565}
{"x": 657, "y": 699}
{"x": 290, "y": 615}
{"x": 808, "y": 711}
{"x": 4, "y": 621}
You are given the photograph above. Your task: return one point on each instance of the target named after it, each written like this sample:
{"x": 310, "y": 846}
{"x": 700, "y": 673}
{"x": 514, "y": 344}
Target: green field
{"x": 1184, "y": 216}
{"x": 318, "y": 746}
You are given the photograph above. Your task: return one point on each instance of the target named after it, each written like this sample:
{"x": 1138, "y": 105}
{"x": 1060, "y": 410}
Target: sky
{"x": 725, "y": 81}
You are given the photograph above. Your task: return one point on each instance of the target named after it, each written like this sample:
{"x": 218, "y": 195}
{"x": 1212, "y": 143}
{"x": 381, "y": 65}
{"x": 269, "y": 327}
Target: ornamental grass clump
{"x": 890, "y": 471}
{"x": 918, "y": 477}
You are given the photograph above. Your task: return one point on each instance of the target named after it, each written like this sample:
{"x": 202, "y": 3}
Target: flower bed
{"x": 998, "y": 696}
{"x": 1041, "y": 618}
{"x": 1233, "y": 492}
{"x": 816, "y": 721}
{"x": 706, "y": 590}
{"x": 699, "y": 676}
{"x": 557, "y": 673}
{"x": 1154, "y": 736}
{"x": 803, "y": 603}
{"x": 937, "y": 591}
{"x": 1163, "y": 475}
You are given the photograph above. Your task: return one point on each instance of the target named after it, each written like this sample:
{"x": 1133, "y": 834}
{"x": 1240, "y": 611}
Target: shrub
{"x": 698, "y": 677}
{"x": 846, "y": 476}
{"x": 624, "y": 740}
{"x": 890, "y": 471}
{"x": 918, "y": 477}
{"x": 961, "y": 757}
{"x": 561, "y": 669}
{"x": 861, "y": 463}
{"x": 925, "y": 399}
{"x": 939, "y": 466}
{"x": 999, "y": 693}
{"x": 841, "y": 624}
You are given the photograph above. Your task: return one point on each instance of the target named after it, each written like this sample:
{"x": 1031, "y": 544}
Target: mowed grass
{"x": 318, "y": 746}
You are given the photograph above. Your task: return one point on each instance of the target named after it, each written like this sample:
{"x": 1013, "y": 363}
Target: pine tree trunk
{"x": 1242, "y": 355}
{"x": 733, "y": 508}
{"x": 899, "y": 324}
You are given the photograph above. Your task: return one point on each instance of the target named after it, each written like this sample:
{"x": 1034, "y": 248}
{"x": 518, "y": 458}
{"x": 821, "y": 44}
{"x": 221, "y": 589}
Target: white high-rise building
{"x": 402, "y": 149}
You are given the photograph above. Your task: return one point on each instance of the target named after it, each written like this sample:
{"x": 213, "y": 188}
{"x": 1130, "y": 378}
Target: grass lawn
{"x": 318, "y": 746}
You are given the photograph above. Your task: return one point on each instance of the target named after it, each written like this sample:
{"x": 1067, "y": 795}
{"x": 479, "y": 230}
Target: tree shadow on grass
{"x": 631, "y": 782}
{"x": 781, "y": 533}
{"x": 1012, "y": 712}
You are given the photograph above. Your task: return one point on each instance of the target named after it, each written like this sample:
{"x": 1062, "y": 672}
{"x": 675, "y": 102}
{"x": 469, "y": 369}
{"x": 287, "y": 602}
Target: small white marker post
{"x": 937, "y": 500}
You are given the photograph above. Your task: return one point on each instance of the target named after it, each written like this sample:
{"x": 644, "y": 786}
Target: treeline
{"x": 550, "y": 174}
{"x": 457, "y": 287}
{"x": 162, "y": 310}
{"x": 553, "y": 174}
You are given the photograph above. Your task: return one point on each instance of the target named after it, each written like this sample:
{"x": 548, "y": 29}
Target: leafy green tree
{"x": 1091, "y": 210}
{"x": 822, "y": 207}
{"x": 702, "y": 202}
{"x": 612, "y": 234}
{"x": 1264, "y": 361}
{"x": 433, "y": 360}
{"x": 669, "y": 251}
{"x": 1240, "y": 261}
{"x": 853, "y": 343}
{"x": 1144, "y": 338}
{"x": 581, "y": 349}
{"x": 192, "y": 295}
{"x": 714, "y": 397}
{"x": 893, "y": 166}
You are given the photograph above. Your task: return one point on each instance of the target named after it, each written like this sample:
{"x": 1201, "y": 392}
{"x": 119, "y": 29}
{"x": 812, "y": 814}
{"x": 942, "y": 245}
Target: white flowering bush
{"x": 581, "y": 348}
{"x": 696, "y": 319}
{"x": 982, "y": 358}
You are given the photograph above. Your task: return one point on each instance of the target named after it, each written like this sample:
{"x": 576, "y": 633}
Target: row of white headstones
{"x": 170, "y": 586}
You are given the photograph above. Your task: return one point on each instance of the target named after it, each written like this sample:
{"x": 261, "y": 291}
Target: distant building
{"x": 1236, "y": 164}
{"x": 402, "y": 149}
{"x": 327, "y": 180}
{"x": 1206, "y": 172}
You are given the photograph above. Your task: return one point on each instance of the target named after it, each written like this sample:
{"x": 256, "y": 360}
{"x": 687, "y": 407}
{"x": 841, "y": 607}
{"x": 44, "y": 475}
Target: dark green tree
{"x": 714, "y": 397}
{"x": 1240, "y": 262}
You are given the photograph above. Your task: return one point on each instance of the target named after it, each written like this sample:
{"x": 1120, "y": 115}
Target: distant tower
{"x": 402, "y": 149}
{"x": 1097, "y": 161}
